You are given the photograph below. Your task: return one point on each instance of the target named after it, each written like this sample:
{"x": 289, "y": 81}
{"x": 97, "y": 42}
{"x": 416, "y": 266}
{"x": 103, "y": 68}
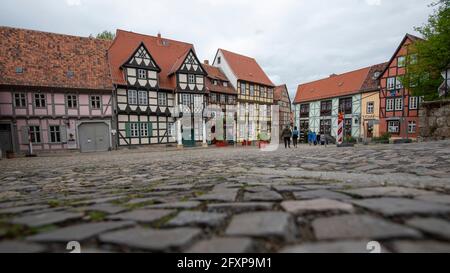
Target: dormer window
{"x": 215, "y": 82}
{"x": 191, "y": 78}
{"x": 70, "y": 74}
{"x": 218, "y": 60}
{"x": 19, "y": 70}
{"x": 142, "y": 74}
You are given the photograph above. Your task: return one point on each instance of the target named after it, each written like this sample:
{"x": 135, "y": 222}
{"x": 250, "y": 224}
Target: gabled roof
{"x": 372, "y": 82}
{"x": 215, "y": 73}
{"x": 167, "y": 54}
{"x": 127, "y": 62}
{"x": 53, "y": 60}
{"x": 278, "y": 93}
{"x": 407, "y": 36}
{"x": 333, "y": 86}
{"x": 246, "y": 68}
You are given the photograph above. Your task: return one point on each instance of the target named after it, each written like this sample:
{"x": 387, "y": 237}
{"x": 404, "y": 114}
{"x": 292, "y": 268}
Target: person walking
{"x": 309, "y": 137}
{"x": 295, "y": 135}
{"x": 286, "y": 135}
{"x": 314, "y": 138}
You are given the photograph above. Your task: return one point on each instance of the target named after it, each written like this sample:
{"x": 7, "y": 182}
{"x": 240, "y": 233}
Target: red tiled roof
{"x": 214, "y": 73}
{"x": 46, "y": 58}
{"x": 372, "y": 83}
{"x": 246, "y": 68}
{"x": 278, "y": 93}
{"x": 167, "y": 55}
{"x": 333, "y": 86}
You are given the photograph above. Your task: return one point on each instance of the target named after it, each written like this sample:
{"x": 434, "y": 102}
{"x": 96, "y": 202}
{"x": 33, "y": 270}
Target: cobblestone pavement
{"x": 310, "y": 199}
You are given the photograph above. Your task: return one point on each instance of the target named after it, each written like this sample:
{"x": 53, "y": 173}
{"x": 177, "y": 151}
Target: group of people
{"x": 313, "y": 137}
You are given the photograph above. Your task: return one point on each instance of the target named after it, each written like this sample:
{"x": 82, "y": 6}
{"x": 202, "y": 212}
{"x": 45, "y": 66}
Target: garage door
{"x": 94, "y": 137}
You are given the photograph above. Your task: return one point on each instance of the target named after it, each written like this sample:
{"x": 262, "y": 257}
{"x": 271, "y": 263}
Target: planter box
{"x": 221, "y": 143}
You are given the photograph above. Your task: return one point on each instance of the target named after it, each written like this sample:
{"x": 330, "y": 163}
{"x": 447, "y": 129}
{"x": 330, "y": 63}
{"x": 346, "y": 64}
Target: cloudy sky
{"x": 295, "y": 41}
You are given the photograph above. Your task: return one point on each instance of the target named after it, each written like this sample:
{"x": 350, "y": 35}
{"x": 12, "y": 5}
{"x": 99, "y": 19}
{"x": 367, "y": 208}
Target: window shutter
{"x": 127, "y": 130}
{"x": 25, "y": 132}
{"x": 150, "y": 129}
{"x": 63, "y": 131}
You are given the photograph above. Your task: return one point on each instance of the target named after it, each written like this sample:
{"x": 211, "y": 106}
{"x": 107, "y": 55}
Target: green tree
{"x": 429, "y": 57}
{"x": 105, "y": 35}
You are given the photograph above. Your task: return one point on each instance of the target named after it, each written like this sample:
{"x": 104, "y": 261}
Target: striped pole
{"x": 340, "y": 133}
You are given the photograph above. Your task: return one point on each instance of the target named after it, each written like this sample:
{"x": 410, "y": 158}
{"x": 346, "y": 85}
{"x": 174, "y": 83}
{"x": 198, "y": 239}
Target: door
{"x": 94, "y": 137}
{"x": 6, "y": 138}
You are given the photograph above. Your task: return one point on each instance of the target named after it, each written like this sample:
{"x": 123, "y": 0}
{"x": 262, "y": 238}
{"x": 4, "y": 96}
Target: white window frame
{"x": 390, "y": 83}
{"x": 413, "y": 103}
{"x": 143, "y": 97}
{"x": 162, "y": 99}
{"x": 72, "y": 101}
{"x": 134, "y": 129}
{"x": 390, "y": 124}
{"x": 40, "y": 100}
{"x": 186, "y": 99}
{"x": 142, "y": 74}
{"x": 403, "y": 61}
{"x": 398, "y": 83}
{"x": 143, "y": 129}
{"x": 35, "y": 134}
{"x": 132, "y": 97}
{"x": 412, "y": 127}
{"x": 55, "y": 132}
{"x": 398, "y": 104}
{"x": 390, "y": 104}
{"x": 22, "y": 97}
{"x": 191, "y": 78}
{"x": 171, "y": 129}
{"x": 370, "y": 107}
{"x": 95, "y": 102}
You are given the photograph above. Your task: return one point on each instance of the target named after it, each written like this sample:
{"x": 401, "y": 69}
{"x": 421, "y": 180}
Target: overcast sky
{"x": 295, "y": 41}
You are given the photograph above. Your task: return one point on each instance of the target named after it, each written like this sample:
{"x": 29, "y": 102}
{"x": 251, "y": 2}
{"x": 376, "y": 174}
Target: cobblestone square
{"x": 235, "y": 199}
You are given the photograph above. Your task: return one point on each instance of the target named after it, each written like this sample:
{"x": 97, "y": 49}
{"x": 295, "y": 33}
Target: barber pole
{"x": 340, "y": 133}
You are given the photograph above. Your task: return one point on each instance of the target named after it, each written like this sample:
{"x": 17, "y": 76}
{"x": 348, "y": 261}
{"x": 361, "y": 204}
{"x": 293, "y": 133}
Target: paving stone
{"x": 188, "y": 218}
{"x": 223, "y": 245}
{"x": 174, "y": 188}
{"x": 400, "y": 206}
{"x": 421, "y": 247}
{"x": 331, "y": 247}
{"x": 262, "y": 196}
{"x": 434, "y": 226}
{"x": 78, "y": 232}
{"x": 438, "y": 198}
{"x": 42, "y": 219}
{"x": 106, "y": 208}
{"x": 137, "y": 201}
{"x": 152, "y": 239}
{"x": 316, "y": 205}
{"x": 320, "y": 194}
{"x": 14, "y": 210}
{"x": 262, "y": 224}
{"x": 176, "y": 205}
{"x": 359, "y": 227}
{"x": 20, "y": 247}
{"x": 240, "y": 206}
{"x": 387, "y": 192}
{"x": 288, "y": 188}
{"x": 143, "y": 215}
{"x": 222, "y": 195}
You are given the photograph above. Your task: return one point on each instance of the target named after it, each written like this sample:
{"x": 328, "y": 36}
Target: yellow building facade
{"x": 370, "y": 114}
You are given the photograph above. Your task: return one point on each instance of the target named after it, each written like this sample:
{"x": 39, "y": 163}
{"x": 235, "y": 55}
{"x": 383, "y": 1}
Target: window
{"x": 401, "y": 61}
{"x": 162, "y": 99}
{"x": 132, "y": 97}
{"x": 215, "y": 82}
{"x": 413, "y": 102}
{"x": 394, "y": 126}
{"x": 35, "y": 134}
{"x": 144, "y": 129}
{"x": 398, "y": 104}
{"x": 413, "y": 59}
{"x": 39, "y": 100}
{"x": 389, "y": 104}
{"x": 219, "y": 59}
{"x": 186, "y": 99}
{"x": 252, "y": 90}
{"x": 370, "y": 107}
{"x": 212, "y": 98}
{"x": 95, "y": 102}
{"x": 142, "y": 74}
{"x": 143, "y": 98}
{"x": 225, "y": 84}
{"x": 20, "y": 100}
{"x": 345, "y": 105}
{"x": 304, "y": 110}
{"x": 398, "y": 84}
{"x": 325, "y": 108}
{"x": 191, "y": 78}
{"x": 391, "y": 83}
{"x": 270, "y": 93}
{"x": 348, "y": 127}
{"x": 411, "y": 127}
{"x": 325, "y": 126}
{"x": 134, "y": 129}
{"x": 72, "y": 101}
{"x": 55, "y": 134}
{"x": 242, "y": 88}
{"x": 171, "y": 129}
{"x": 223, "y": 99}
{"x": 263, "y": 92}
{"x": 231, "y": 100}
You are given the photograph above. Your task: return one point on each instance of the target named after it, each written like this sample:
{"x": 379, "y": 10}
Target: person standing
{"x": 314, "y": 138}
{"x": 309, "y": 137}
{"x": 286, "y": 134}
{"x": 295, "y": 135}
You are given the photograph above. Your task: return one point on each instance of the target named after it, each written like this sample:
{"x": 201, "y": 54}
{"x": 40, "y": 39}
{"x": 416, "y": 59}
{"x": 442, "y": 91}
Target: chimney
{"x": 159, "y": 35}
{"x": 333, "y": 75}
{"x": 206, "y": 62}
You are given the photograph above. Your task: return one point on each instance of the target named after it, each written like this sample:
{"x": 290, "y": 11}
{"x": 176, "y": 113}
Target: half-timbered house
{"x": 255, "y": 94}
{"x": 399, "y": 110}
{"x": 159, "y": 89}
{"x": 282, "y": 99}
{"x": 55, "y": 92}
